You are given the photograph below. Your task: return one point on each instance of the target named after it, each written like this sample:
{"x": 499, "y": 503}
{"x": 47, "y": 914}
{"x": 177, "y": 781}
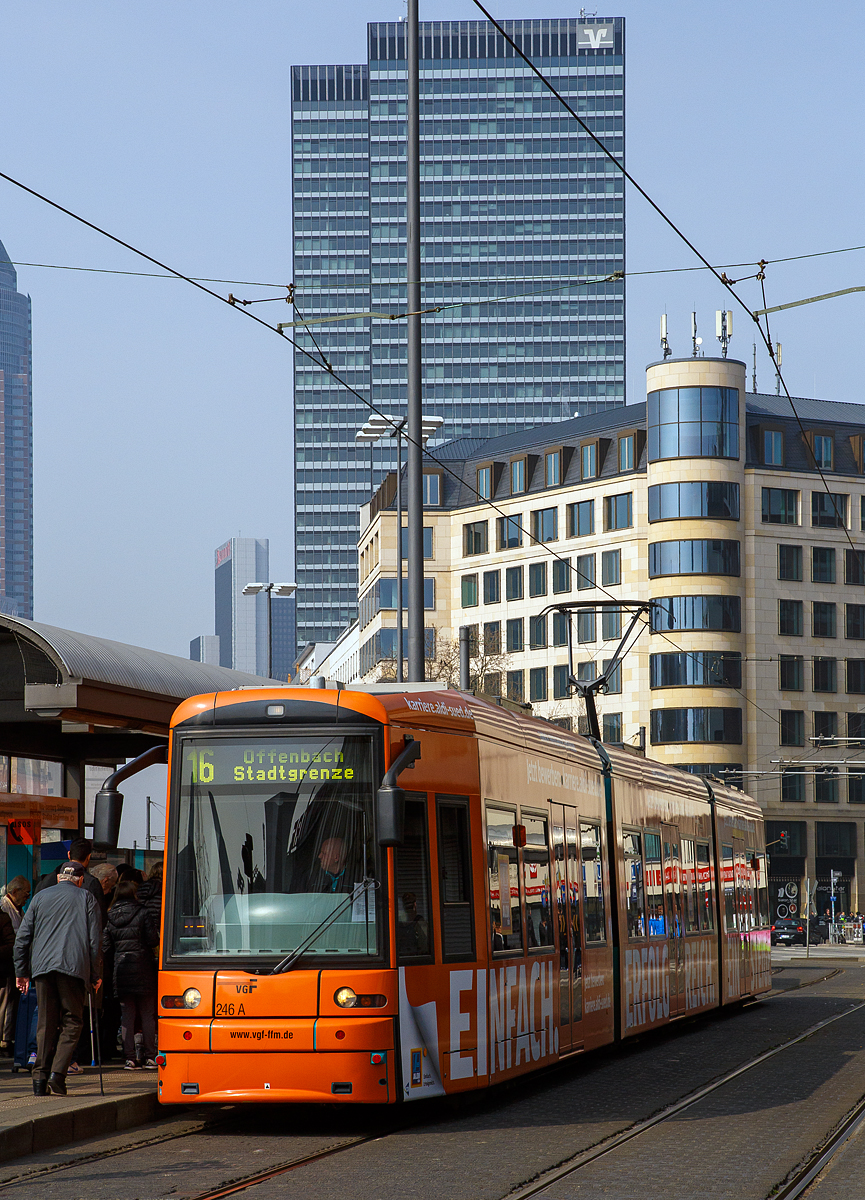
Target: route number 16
{"x": 202, "y": 768}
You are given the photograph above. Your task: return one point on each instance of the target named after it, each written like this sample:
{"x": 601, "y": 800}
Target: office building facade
{"x": 16, "y": 446}
{"x": 520, "y": 216}
{"x": 707, "y": 505}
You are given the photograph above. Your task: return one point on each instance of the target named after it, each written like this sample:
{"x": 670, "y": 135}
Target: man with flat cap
{"x": 58, "y": 947}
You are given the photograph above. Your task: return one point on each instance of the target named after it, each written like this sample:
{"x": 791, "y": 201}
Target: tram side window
{"x": 689, "y": 886}
{"x": 455, "y": 876}
{"x": 536, "y": 882}
{"x": 505, "y": 921}
{"x": 654, "y": 886}
{"x": 634, "y": 899}
{"x": 763, "y": 891}
{"x": 705, "y": 890}
{"x": 413, "y": 938}
{"x": 728, "y": 883}
{"x": 594, "y": 920}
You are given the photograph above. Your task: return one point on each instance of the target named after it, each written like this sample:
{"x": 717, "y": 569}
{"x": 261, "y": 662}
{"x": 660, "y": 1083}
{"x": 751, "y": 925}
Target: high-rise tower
{"x": 518, "y": 206}
{"x": 16, "y": 446}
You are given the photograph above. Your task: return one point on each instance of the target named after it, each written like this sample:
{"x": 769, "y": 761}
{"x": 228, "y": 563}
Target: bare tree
{"x": 488, "y": 664}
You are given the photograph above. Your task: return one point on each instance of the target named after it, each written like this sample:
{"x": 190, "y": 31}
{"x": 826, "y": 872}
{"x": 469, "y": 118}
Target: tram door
{"x": 744, "y": 915}
{"x": 566, "y": 855}
{"x": 673, "y": 908}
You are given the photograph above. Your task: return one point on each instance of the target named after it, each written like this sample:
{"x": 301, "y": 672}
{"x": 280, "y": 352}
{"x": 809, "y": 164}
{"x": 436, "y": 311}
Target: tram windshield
{"x": 273, "y": 837}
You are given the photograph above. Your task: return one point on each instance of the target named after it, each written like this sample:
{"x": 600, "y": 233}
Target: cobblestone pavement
{"x": 737, "y": 1142}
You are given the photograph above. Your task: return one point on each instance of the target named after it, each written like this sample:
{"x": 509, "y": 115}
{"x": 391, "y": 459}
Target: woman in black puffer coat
{"x": 130, "y": 935}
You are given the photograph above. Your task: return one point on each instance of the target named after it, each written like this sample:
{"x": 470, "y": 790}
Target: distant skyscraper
{"x": 516, "y": 203}
{"x": 205, "y": 649}
{"x": 241, "y": 621}
{"x": 284, "y": 635}
{"x": 16, "y": 446}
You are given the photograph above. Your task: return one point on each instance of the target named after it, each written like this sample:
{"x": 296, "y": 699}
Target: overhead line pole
{"x": 414, "y": 473}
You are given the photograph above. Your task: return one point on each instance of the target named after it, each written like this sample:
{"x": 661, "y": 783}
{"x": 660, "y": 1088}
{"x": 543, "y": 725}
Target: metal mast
{"x": 414, "y": 473}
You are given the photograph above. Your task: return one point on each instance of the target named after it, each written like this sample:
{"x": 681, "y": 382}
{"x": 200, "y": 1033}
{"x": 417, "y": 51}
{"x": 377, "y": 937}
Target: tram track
{"x": 239, "y": 1184}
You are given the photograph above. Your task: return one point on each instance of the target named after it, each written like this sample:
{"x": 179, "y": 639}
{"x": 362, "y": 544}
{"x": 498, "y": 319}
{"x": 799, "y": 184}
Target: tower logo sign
{"x": 595, "y": 37}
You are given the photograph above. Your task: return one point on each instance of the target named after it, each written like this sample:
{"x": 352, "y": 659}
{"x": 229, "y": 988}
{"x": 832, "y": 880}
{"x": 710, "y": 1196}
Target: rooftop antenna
{"x": 696, "y": 342}
{"x": 778, "y": 369}
{"x": 754, "y": 374}
{"x": 665, "y": 345}
{"x": 723, "y": 328}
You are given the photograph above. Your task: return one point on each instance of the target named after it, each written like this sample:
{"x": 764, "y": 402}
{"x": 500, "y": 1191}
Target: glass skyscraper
{"x": 16, "y": 446}
{"x": 517, "y": 207}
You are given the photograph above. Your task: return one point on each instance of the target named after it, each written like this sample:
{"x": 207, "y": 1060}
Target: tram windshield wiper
{"x": 368, "y": 885}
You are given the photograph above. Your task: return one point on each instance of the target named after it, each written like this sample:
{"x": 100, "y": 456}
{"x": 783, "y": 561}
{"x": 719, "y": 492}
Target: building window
{"x": 792, "y": 723}
{"x": 822, "y": 565}
{"x": 791, "y": 672}
{"x": 553, "y": 468}
{"x": 773, "y": 447}
{"x": 823, "y": 619}
{"x": 492, "y": 587}
{"x": 825, "y": 674}
{"x": 693, "y": 556}
{"x": 510, "y": 532}
{"x": 826, "y": 726}
{"x": 475, "y": 538}
{"x": 611, "y": 727}
{"x": 492, "y": 683}
{"x": 854, "y": 567}
{"x": 618, "y": 511}
{"x": 537, "y": 684}
{"x": 856, "y": 730}
{"x": 581, "y": 518}
{"x": 431, "y": 490}
{"x": 589, "y": 460}
{"x": 561, "y": 688}
{"x": 614, "y": 679}
{"x": 611, "y": 567}
{"x": 790, "y": 562}
{"x": 780, "y": 506}
{"x": 585, "y": 571}
{"x": 855, "y": 623}
{"x": 823, "y": 447}
{"x": 790, "y": 618}
{"x": 626, "y": 453}
{"x": 586, "y": 628}
{"x": 697, "y": 612}
{"x": 855, "y": 676}
{"x": 826, "y": 785}
{"x": 696, "y": 668}
{"x": 855, "y": 785}
{"x": 586, "y": 672}
{"x": 679, "y": 725}
{"x": 514, "y": 583}
{"x": 538, "y": 632}
{"x": 611, "y": 623}
{"x": 492, "y": 637}
{"x": 792, "y": 788}
{"x": 674, "y": 501}
{"x": 545, "y": 524}
{"x": 518, "y": 476}
{"x": 561, "y": 576}
{"x": 485, "y": 482}
{"x": 538, "y": 579}
{"x": 829, "y": 510}
{"x": 469, "y": 591}
{"x": 515, "y": 635}
{"x": 474, "y": 640}
{"x": 560, "y": 628}
{"x": 427, "y": 542}
{"x": 516, "y": 689}
{"x": 693, "y": 422}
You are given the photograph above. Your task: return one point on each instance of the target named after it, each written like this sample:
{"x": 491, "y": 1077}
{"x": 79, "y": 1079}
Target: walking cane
{"x": 98, "y": 1044}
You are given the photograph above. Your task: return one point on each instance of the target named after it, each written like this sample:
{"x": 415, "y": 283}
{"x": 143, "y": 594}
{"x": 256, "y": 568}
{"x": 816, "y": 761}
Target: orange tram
{"x": 376, "y": 895}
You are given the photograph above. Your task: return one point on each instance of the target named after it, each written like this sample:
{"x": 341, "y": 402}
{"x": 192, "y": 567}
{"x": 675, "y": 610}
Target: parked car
{"x": 792, "y": 933}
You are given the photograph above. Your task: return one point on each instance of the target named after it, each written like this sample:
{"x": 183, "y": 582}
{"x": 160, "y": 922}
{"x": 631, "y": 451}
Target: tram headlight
{"x": 191, "y": 998}
{"x": 345, "y": 997}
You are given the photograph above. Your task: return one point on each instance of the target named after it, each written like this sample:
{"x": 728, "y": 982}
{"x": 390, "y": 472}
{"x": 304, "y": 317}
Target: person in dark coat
{"x": 79, "y": 851}
{"x": 130, "y": 935}
{"x": 150, "y": 893}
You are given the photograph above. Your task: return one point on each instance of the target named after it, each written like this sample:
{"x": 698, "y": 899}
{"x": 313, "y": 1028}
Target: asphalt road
{"x": 738, "y": 1142}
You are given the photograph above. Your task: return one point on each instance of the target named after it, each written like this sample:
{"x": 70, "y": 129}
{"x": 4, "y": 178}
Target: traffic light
{"x": 783, "y": 840}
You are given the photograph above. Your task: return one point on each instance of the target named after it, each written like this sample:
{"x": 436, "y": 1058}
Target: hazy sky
{"x": 163, "y": 419}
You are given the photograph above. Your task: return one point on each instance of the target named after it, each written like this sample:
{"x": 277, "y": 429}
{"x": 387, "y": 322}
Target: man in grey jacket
{"x": 58, "y": 947}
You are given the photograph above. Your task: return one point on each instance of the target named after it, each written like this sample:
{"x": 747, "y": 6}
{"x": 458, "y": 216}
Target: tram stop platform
{"x": 30, "y": 1124}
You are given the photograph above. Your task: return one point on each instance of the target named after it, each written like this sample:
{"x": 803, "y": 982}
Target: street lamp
{"x": 374, "y": 429}
{"x": 272, "y": 589}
